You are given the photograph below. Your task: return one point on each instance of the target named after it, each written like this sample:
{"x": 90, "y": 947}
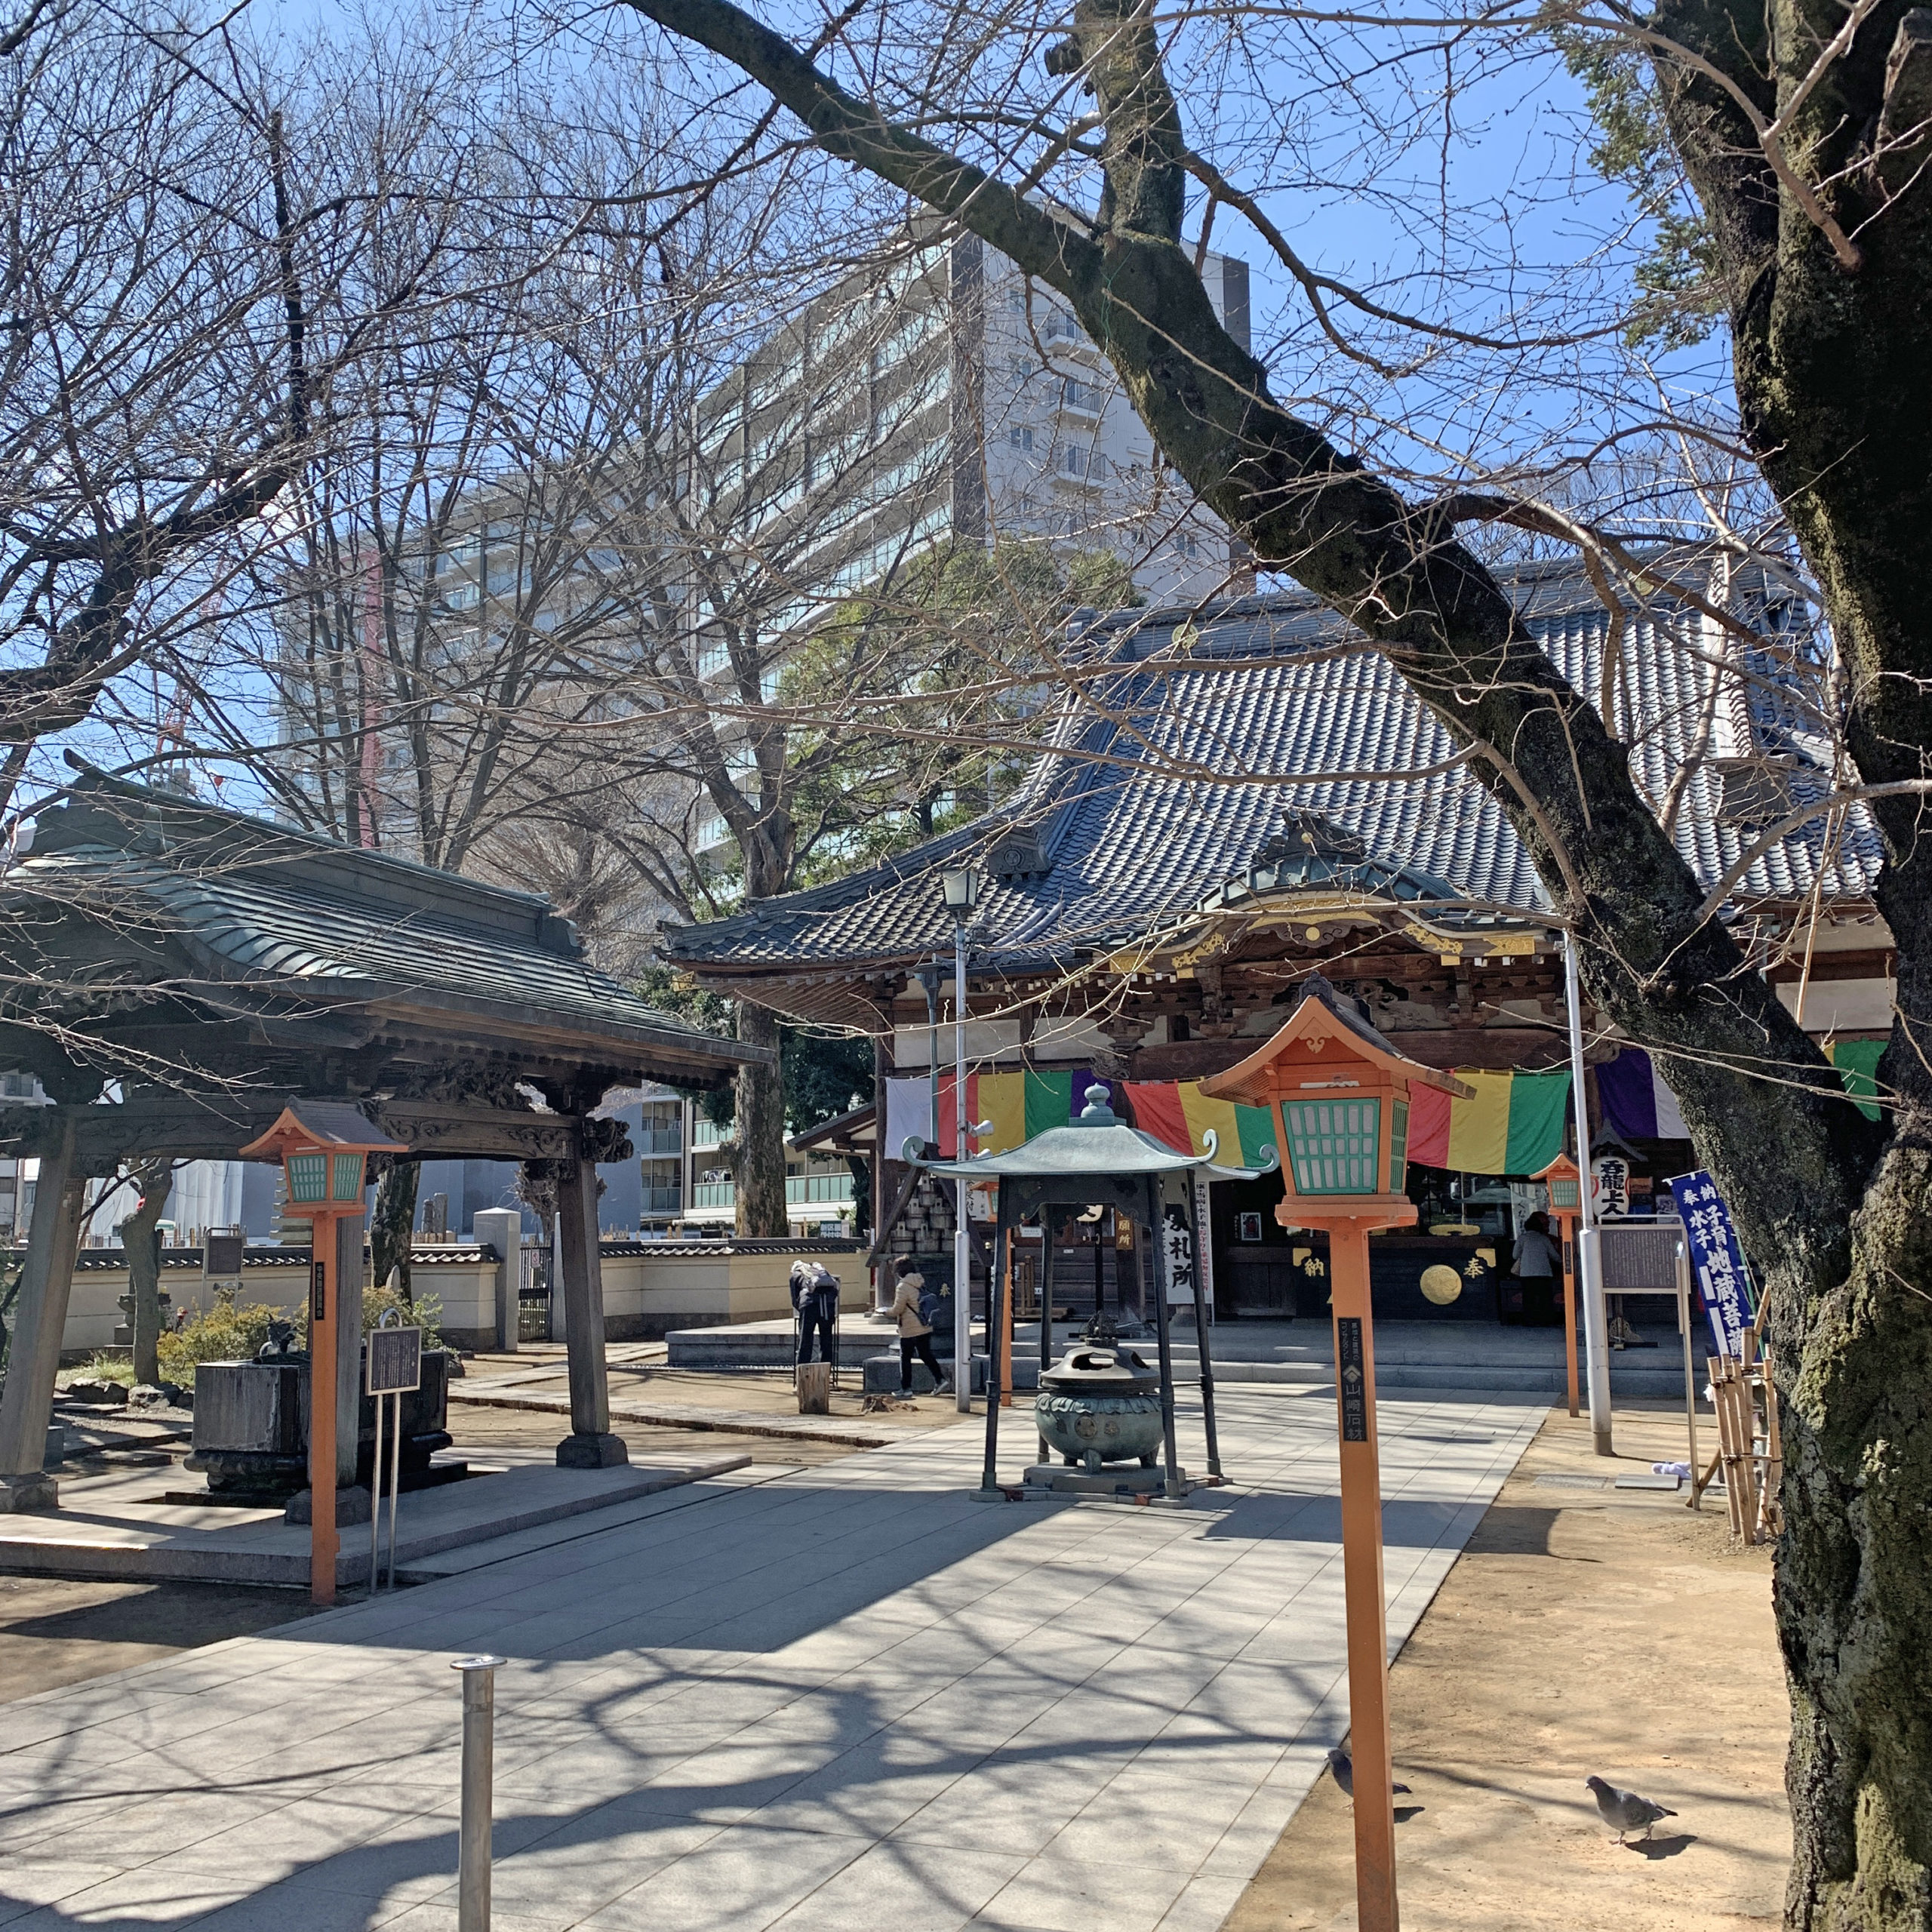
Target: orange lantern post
{"x": 324, "y": 1150}
{"x": 1564, "y": 1180}
{"x": 1340, "y": 1092}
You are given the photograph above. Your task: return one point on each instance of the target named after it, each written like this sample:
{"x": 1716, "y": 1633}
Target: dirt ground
{"x": 1582, "y": 1631}
{"x": 55, "y": 1630}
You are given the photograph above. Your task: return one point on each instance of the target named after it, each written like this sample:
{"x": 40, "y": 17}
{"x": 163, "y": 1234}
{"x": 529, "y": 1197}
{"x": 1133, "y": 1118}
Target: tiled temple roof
{"x": 1165, "y": 784}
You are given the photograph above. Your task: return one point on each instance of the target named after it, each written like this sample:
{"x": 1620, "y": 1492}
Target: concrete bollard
{"x": 479, "y": 1720}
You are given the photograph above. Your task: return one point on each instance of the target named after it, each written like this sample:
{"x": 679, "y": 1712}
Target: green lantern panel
{"x": 308, "y": 1176}
{"x": 348, "y": 1177}
{"x": 1332, "y": 1144}
{"x": 1565, "y": 1194}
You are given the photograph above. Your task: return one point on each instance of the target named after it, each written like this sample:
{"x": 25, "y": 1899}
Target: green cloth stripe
{"x": 1539, "y": 1104}
{"x": 1049, "y": 1101}
{"x": 1256, "y": 1128}
{"x": 1857, "y": 1063}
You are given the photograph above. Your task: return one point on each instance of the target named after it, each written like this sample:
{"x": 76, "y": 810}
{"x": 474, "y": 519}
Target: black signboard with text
{"x": 395, "y": 1361}
{"x": 1349, "y": 1367}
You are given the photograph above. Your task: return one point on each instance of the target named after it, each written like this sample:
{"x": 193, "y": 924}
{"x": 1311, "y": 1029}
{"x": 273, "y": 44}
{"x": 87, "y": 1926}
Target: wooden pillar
{"x": 40, "y": 1316}
{"x": 349, "y": 1230}
{"x": 1567, "y": 1224}
{"x": 324, "y": 1313}
{"x": 1361, "y": 1571}
{"x": 590, "y": 1445}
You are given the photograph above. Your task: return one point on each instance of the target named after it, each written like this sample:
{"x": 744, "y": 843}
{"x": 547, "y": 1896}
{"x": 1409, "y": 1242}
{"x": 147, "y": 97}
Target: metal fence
{"x": 533, "y": 1294}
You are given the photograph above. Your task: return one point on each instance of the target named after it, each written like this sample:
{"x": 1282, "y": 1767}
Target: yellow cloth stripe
{"x": 1001, "y": 1099}
{"x": 1479, "y": 1129}
{"x": 1201, "y": 1113}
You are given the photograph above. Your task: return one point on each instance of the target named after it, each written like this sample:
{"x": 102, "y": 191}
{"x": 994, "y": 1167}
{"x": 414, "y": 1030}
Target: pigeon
{"x": 1343, "y": 1765}
{"x": 1624, "y": 1809}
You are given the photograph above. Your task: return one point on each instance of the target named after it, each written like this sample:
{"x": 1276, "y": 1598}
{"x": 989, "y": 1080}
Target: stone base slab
{"x": 351, "y": 1506}
{"x": 579, "y": 1451}
{"x": 34, "y": 1490}
{"x": 1061, "y": 1480}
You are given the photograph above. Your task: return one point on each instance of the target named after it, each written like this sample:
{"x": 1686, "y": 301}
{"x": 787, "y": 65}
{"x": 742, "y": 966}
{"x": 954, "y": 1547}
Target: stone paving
{"x": 849, "y": 1695}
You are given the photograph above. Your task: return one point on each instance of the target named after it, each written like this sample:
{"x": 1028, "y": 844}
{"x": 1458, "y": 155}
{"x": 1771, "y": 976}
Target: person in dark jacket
{"x": 915, "y": 1332}
{"x": 815, "y": 1296}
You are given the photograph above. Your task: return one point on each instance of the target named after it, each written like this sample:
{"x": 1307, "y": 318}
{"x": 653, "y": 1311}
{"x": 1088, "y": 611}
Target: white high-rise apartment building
{"x": 941, "y": 396}
{"x": 934, "y": 396}
{"x": 946, "y": 395}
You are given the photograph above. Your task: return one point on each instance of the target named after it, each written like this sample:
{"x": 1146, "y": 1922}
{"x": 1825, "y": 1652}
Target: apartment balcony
{"x": 713, "y": 1194}
{"x": 709, "y": 1134}
{"x": 663, "y": 1201}
{"x": 655, "y": 1140}
{"x": 812, "y": 1189}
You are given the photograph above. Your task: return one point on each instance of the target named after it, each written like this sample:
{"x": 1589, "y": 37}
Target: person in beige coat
{"x": 915, "y": 1332}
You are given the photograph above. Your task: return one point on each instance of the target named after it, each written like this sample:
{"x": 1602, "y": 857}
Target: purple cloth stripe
{"x": 1628, "y": 1093}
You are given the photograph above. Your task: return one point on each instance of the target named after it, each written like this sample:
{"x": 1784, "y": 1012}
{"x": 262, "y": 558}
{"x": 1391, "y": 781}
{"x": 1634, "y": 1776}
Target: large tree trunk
{"x": 1835, "y": 375}
{"x": 140, "y": 1237}
{"x": 758, "y": 1167}
{"x": 393, "y": 1225}
{"x": 1834, "y": 372}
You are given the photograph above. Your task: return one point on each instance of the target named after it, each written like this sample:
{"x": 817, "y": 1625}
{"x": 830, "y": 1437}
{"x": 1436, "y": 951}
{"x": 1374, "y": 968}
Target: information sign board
{"x": 395, "y": 1361}
{"x": 1717, "y": 1261}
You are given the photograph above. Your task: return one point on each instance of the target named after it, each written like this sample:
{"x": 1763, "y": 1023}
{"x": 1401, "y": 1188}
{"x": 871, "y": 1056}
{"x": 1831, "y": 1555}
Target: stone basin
{"x": 252, "y": 1424}
{"x": 1099, "y": 1405}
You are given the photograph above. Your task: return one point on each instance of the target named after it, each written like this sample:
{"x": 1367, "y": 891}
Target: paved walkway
{"x": 851, "y": 1696}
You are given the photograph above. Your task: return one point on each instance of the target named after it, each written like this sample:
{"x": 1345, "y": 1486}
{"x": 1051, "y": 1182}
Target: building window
{"x": 1020, "y": 439}
{"x": 1188, "y": 544}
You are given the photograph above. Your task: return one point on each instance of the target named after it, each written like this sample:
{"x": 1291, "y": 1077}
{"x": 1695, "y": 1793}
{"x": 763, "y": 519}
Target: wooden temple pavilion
{"x": 1192, "y": 847}
{"x": 177, "y": 972}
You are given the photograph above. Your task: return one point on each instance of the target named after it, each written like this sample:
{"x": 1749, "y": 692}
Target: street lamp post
{"x": 960, "y": 885}
{"x": 1589, "y": 1242}
{"x": 324, "y": 1149}
{"x": 1340, "y": 1094}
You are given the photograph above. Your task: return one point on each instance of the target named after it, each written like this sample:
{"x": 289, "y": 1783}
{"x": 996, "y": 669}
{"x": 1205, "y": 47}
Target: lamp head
{"x": 960, "y": 885}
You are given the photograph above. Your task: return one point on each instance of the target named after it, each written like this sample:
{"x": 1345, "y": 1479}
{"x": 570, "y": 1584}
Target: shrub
{"x": 230, "y": 1331}
{"x": 426, "y": 1312}
{"x": 226, "y": 1331}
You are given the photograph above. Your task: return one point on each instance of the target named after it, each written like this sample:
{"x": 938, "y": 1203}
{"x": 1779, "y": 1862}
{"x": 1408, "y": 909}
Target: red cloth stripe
{"x": 1428, "y": 1127}
{"x": 1157, "y": 1110}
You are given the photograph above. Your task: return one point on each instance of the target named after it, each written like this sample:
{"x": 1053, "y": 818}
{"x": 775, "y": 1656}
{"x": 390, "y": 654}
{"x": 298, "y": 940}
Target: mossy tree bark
{"x": 392, "y": 1226}
{"x": 768, "y": 846}
{"x": 140, "y": 1238}
{"x": 1834, "y": 371}
{"x": 758, "y": 1166}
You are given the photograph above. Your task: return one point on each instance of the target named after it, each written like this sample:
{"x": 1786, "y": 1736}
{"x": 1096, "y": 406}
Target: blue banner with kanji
{"x": 1717, "y": 1262}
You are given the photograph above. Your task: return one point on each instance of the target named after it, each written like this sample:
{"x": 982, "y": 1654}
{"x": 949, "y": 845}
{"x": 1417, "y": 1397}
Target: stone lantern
{"x": 325, "y": 1149}
{"x": 1340, "y": 1092}
{"x": 1564, "y": 1182}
